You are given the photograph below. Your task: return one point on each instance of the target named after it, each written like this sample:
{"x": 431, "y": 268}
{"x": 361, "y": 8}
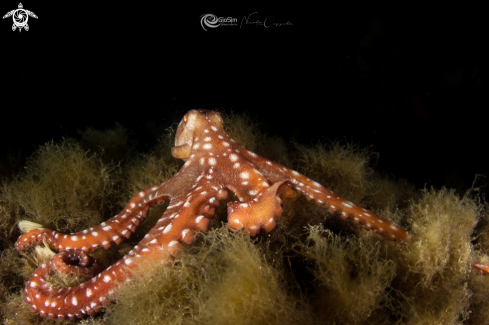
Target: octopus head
{"x": 191, "y": 126}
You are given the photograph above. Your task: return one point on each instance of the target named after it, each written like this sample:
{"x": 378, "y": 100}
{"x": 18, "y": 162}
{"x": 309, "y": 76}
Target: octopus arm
{"x": 85, "y": 299}
{"x": 322, "y": 196}
{"x": 186, "y": 214}
{"x": 484, "y": 269}
{"x": 257, "y": 213}
{"x": 178, "y": 223}
{"x": 104, "y": 235}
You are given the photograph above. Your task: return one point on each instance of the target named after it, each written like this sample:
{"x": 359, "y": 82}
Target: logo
{"x": 212, "y": 21}
{"x": 20, "y": 17}
{"x": 209, "y": 20}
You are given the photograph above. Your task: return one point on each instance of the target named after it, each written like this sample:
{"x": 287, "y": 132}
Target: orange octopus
{"x": 214, "y": 165}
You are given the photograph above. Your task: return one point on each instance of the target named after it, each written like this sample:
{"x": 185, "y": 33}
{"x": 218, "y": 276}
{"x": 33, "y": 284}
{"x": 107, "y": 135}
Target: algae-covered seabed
{"x": 312, "y": 268}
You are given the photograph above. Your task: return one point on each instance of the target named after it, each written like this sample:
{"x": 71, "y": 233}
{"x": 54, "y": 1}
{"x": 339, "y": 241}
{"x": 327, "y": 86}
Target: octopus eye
{"x": 185, "y": 118}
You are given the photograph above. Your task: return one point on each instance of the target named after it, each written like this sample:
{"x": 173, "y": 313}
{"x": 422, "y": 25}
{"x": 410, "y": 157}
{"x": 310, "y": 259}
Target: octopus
{"x": 214, "y": 165}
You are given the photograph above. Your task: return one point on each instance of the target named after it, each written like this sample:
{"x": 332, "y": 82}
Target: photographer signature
{"x": 268, "y": 22}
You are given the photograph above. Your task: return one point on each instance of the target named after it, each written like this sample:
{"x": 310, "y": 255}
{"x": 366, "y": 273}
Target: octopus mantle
{"x": 214, "y": 165}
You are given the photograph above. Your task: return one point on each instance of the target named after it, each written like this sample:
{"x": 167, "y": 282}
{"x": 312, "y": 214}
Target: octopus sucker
{"x": 212, "y": 169}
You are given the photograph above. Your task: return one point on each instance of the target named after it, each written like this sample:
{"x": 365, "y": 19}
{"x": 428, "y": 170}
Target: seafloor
{"x": 313, "y": 268}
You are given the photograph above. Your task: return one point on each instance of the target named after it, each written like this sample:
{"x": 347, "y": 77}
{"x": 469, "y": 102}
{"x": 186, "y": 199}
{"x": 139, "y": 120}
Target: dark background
{"x": 408, "y": 84}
